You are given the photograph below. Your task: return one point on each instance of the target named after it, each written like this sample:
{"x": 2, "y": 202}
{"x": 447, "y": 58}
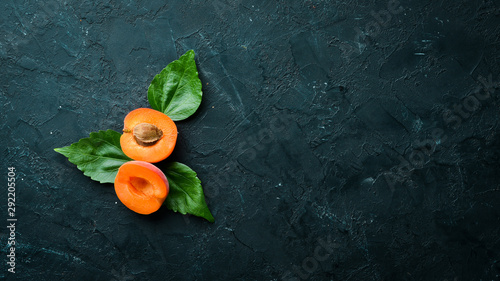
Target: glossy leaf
{"x": 176, "y": 90}
{"x": 98, "y": 156}
{"x": 186, "y": 193}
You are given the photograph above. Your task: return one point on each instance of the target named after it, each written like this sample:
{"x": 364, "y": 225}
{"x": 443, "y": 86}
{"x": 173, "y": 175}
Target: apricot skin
{"x": 141, "y": 186}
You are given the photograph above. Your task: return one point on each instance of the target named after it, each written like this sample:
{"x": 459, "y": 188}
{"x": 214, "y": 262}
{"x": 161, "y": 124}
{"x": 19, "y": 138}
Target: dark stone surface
{"x": 325, "y": 148}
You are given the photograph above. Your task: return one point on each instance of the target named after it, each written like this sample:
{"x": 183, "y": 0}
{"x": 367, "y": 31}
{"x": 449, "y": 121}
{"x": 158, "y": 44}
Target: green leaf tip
{"x": 186, "y": 193}
{"x": 99, "y": 156}
{"x": 176, "y": 90}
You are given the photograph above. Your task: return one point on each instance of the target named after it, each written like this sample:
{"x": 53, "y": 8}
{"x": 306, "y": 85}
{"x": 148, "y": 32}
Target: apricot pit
{"x": 147, "y": 134}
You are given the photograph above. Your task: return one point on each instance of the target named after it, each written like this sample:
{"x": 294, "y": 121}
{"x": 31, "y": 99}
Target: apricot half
{"x": 141, "y": 186}
{"x": 148, "y": 135}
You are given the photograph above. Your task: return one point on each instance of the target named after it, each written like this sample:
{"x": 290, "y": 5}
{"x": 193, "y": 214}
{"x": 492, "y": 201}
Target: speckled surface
{"x": 336, "y": 140}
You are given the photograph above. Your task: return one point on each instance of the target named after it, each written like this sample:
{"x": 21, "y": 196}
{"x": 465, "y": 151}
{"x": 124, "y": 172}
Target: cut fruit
{"x": 141, "y": 186}
{"x": 148, "y": 135}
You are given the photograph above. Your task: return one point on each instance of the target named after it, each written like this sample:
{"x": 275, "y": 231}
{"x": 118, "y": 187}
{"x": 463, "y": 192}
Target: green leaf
{"x": 186, "y": 194}
{"x": 98, "y": 157}
{"x": 176, "y": 90}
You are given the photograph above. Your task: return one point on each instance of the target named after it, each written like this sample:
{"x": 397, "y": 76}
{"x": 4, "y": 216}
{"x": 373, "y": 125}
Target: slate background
{"x": 302, "y": 117}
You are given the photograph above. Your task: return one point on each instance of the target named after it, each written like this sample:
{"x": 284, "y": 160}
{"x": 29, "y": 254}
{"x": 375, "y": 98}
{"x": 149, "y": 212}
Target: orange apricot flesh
{"x": 148, "y": 135}
{"x": 141, "y": 186}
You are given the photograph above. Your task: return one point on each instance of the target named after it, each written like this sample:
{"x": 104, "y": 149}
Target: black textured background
{"x": 320, "y": 125}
